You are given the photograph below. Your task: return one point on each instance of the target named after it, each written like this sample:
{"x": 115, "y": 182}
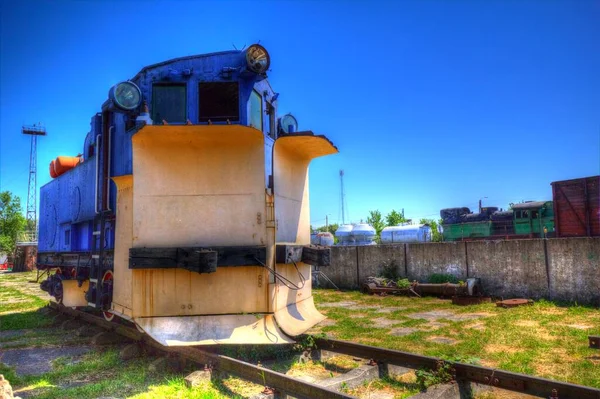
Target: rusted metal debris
{"x": 470, "y": 300}
{"x": 513, "y": 303}
{"x": 594, "y": 341}
{"x": 381, "y": 286}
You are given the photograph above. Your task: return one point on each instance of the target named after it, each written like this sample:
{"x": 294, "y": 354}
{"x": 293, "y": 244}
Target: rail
{"x": 521, "y": 383}
{"x": 250, "y": 372}
{"x": 483, "y": 375}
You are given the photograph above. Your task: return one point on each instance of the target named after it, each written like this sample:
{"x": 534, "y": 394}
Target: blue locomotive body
{"x": 70, "y": 203}
{"x": 188, "y": 182}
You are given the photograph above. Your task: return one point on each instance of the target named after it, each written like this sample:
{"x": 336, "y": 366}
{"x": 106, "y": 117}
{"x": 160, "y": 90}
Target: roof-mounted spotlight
{"x": 125, "y": 95}
{"x": 257, "y": 59}
{"x": 288, "y": 124}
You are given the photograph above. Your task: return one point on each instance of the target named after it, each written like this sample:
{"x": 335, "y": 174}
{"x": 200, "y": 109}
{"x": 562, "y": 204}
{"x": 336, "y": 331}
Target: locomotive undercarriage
{"x": 79, "y": 279}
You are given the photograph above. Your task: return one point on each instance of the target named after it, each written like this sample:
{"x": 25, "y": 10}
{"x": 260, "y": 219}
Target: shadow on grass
{"x": 25, "y": 320}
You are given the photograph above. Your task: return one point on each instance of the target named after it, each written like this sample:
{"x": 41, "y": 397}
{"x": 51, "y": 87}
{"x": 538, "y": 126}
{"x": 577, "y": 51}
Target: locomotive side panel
{"x": 123, "y": 285}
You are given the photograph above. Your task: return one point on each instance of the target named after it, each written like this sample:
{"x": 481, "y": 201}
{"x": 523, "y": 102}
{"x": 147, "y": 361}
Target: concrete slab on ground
{"x": 35, "y": 361}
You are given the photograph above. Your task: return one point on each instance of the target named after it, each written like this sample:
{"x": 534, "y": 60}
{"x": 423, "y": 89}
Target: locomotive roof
{"x": 530, "y": 205}
{"x": 189, "y": 57}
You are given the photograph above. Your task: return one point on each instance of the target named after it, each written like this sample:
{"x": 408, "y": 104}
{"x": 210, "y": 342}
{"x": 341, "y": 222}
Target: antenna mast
{"x": 33, "y": 131}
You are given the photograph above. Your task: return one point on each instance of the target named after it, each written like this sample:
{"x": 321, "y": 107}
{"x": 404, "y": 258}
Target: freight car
{"x": 187, "y": 211}
{"x": 577, "y": 207}
{"x": 526, "y": 220}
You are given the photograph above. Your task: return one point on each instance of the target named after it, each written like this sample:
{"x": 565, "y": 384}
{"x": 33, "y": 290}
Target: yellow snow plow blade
{"x": 206, "y": 330}
{"x": 298, "y": 317}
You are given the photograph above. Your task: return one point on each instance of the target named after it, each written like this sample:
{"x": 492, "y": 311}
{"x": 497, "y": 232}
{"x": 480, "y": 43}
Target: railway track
{"x": 279, "y": 382}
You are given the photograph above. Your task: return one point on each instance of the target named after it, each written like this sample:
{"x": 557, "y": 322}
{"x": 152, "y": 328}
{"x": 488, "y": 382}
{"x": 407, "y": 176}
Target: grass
{"x": 98, "y": 373}
{"x": 546, "y": 339}
{"x": 541, "y": 340}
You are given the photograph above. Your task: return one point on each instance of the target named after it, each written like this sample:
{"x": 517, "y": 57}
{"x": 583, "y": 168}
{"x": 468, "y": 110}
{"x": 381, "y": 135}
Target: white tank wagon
{"x": 359, "y": 234}
{"x": 344, "y": 235}
{"x": 364, "y": 234}
{"x": 322, "y": 238}
{"x": 406, "y": 233}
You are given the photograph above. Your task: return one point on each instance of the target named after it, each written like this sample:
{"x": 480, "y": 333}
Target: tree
{"x": 12, "y": 221}
{"x": 332, "y": 228}
{"x": 376, "y": 221}
{"x": 435, "y": 234}
{"x": 394, "y": 218}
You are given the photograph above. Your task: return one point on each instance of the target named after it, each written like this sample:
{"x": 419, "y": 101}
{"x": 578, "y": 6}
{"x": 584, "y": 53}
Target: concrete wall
{"x": 343, "y": 270}
{"x": 574, "y": 265}
{"x": 424, "y": 260}
{"x": 373, "y": 259}
{"x": 509, "y": 269}
{"x": 566, "y": 269}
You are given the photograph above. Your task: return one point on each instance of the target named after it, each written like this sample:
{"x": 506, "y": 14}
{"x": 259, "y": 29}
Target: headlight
{"x": 288, "y": 124}
{"x": 257, "y": 58}
{"x": 126, "y": 95}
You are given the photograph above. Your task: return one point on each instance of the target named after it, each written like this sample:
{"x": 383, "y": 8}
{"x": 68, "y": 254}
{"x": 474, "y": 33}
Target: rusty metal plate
{"x": 470, "y": 300}
{"x": 511, "y": 303}
{"x": 594, "y": 341}
{"x": 371, "y": 288}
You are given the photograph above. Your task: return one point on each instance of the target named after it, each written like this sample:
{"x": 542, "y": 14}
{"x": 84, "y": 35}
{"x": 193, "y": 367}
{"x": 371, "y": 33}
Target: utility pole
{"x": 33, "y": 131}
{"x": 326, "y": 222}
{"x": 343, "y": 196}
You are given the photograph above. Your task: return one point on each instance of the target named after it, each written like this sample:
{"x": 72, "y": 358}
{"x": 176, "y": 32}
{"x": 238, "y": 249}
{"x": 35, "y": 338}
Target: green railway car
{"x": 525, "y": 220}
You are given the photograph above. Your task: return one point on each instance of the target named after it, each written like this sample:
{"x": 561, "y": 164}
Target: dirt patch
{"x": 552, "y": 311}
{"x": 443, "y": 340}
{"x": 432, "y": 315}
{"x": 527, "y": 323}
{"x": 358, "y": 315}
{"x": 489, "y": 363}
{"x": 469, "y": 316}
{"x": 35, "y": 361}
{"x": 326, "y": 323}
{"x": 344, "y": 304}
{"x": 545, "y": 335}
{"x": 370, "y": 341}
{"x": 389, "y": 310}
{"x": 383, "y": 323}
{"x": 362, "y": 307}
{"x": 477, "y": 326}
{"x": 448, "y": 315}
{"x": 402, "y": 331}
{"x": 433, "y": 325}
{"x": 580, "y": 326}
{"x": 498, "y": 348}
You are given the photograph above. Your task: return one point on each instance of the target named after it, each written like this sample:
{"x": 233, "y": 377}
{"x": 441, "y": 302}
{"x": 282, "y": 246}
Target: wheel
{"x": 108, "y": 279}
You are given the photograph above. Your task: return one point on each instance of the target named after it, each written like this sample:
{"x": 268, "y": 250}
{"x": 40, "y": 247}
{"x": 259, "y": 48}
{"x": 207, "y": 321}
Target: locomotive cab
{"x": 194, "y": 217}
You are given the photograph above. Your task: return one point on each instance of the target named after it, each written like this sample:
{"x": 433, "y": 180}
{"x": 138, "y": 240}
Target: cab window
{"x": 256, "y": 110}
{"x": 534, "y": 214}
{"x": 169, "y": 103}
{"x": 219, "y": 101}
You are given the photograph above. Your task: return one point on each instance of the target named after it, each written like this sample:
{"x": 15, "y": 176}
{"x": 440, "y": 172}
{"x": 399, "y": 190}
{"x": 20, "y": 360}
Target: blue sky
{"x": 432, "y": 104}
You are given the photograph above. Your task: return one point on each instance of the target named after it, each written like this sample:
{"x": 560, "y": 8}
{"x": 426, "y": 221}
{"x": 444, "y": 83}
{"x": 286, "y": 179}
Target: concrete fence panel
{"x": 574, "y": 265}
{"x": 424, "y": 260}
{"x": 509, "y": 269}
{"x": 372, "y": 259}
{"x": 343, "y": 270}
